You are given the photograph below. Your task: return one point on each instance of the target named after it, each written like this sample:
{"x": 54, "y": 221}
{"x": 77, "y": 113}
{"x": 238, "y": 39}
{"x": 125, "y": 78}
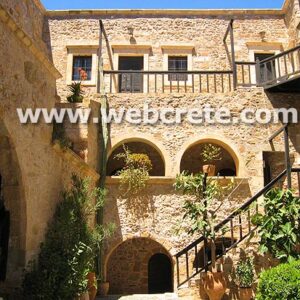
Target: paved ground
{"x": 141, "y": 297}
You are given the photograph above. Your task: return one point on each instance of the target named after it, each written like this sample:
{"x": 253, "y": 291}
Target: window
{"x": 177, "y": 63}
{"x": 82, "y": 68}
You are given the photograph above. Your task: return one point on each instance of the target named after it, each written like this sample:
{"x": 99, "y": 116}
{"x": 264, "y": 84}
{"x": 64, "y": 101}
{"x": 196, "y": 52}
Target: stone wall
{"x": 204, "y": 32}
{"x": 292, "y": 20}
{"x": 33, "y": 173}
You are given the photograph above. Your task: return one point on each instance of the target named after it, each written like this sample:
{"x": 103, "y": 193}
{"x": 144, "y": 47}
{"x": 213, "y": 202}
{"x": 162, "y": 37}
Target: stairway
{"x": 232, "y": 231}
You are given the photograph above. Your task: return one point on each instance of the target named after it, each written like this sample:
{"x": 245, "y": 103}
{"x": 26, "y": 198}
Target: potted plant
{"x": 135, "y": 174}
{"x": 245, "y": 278}
{"x": 201, "y": 212}
{"x": 76, "y": 93}
{"x": 210, "y": 154}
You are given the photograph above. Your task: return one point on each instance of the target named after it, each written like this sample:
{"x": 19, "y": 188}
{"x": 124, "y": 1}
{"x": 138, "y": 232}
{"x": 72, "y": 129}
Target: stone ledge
{"x": 164, "y": 180}
{"x": 164, "y": 12}
{"x": 28, "y": 42}
{"x": 76, "y": 161}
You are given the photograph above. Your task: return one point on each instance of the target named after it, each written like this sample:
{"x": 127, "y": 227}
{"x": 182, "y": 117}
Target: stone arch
{"x": 14, "y": 204}
{"x": 226, "y": 145}
{"x": 126, "y": 264}
{"x": 141, "y": 144}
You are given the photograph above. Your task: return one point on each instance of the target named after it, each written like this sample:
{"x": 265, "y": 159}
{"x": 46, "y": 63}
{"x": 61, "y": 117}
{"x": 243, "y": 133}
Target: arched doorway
{"x": 139, "y": 146}
{"x": 160, "y": 274}
{"x": 12, "y": 213}
{"x": 131, "y": 264}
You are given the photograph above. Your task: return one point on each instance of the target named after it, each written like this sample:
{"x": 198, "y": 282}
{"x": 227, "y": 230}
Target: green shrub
{"x": 280, "y": 283}
{"x": 68, "y": 252}
{"x": 245, "y": 273}
{"x": 279, "y": 227}
{"x": 135, "y": 174}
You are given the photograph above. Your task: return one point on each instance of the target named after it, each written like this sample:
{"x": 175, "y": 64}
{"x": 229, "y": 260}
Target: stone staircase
{"x": 167, "y": 296}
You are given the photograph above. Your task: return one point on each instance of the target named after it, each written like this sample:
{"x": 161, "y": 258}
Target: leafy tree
{"x": 279, "y": 227}
{"x": 68, "y": 252}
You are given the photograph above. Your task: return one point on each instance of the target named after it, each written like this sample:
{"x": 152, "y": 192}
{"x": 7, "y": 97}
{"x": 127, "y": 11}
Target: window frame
{"x": 178, "y": 50}
{"x": 184, "y": 76}
{"x": 73, "y": 51}
{"x": 73, "y": 67}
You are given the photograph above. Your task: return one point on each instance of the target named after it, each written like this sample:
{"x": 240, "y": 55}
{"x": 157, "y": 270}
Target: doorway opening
{"x": 160, "y": 274}
{"x": 131, "y": 82}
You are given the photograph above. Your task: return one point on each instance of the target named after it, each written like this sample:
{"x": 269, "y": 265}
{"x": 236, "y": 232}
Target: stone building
{"x": 167, "y": 58}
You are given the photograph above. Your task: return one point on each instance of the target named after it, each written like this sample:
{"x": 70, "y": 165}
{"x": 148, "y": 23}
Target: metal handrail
{"x": 222, "y": 224}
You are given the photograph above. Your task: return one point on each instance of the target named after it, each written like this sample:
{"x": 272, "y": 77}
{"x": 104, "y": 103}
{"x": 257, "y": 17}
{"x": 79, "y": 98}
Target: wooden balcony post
{"x": 234, "y": 68}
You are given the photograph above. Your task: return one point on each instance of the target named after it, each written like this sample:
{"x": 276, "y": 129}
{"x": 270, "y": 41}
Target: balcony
{"x": 168, "y": 81}
{"x": 280, "y": 73}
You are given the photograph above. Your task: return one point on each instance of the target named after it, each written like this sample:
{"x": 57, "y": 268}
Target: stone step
{"x": 167, "y": 296}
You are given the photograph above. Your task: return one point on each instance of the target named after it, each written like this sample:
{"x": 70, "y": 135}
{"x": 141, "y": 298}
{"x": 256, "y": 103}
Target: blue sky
{"x": 106, "y": 4}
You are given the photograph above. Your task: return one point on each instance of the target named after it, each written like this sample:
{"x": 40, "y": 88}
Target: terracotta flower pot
{"x": 245, "y": 293}
{"x": 209, "y": 169}
{"x": 84, "y": 296}
{"x": 103, "y": 288}
{"x": 92, "y": 285}
{"x": 214, "y": 285}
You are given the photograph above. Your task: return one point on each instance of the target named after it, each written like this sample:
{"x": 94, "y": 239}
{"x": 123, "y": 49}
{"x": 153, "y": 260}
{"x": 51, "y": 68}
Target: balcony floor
{"x": 291, "y": 85}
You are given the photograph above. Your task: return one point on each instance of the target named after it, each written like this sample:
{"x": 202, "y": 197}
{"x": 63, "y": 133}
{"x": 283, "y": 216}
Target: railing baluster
{"x": 148, "y": 83}
{"x": 249, "y": 74}
{"x": 177, "y": 268}
{"x": 193, "y": 84}
{"x": 240, "y": 225}
{"x": 171, "y": 84}
{"x": 215, "y": 82}
{"x": 200, "y": 83}
{"x": 131, "y": 82}
{"x": 185, "y": 80}
{"x": 229, "y": 79}
{"x": 155, "y": 79}
{"x": 231, "y": 232}
{"x": 177, "y": 84}
{"x": 243, "y": 74}
{"x": 222, "y": 80}
{"x": 293, "y": 62}
{"x": 196, "y": 258}
{"x": 110, "y": 83}
{"x": 187, "y": 264}
{"x": 163, "y": 83}
{"x": 207, "y": 82}
{"x": 279, "y": 68}
{"x": 249, "y": 220}
{"x": 285, "y": 65}
{"x": 273, "y": 70}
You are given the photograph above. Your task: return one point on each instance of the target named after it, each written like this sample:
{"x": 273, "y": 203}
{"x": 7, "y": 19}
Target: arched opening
{"x": 160, "y": 274}
{"x": 12, "y": 213}
{"x": 131, "y": 266}
{"x": 192, "y": 161}
{"x": 114, "y": 164}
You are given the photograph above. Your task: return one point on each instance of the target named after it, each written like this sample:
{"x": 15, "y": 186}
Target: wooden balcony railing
{"x": 168, "y": 82}
{"x": 279, "y": 68}
{"x": 246, "y": 73}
